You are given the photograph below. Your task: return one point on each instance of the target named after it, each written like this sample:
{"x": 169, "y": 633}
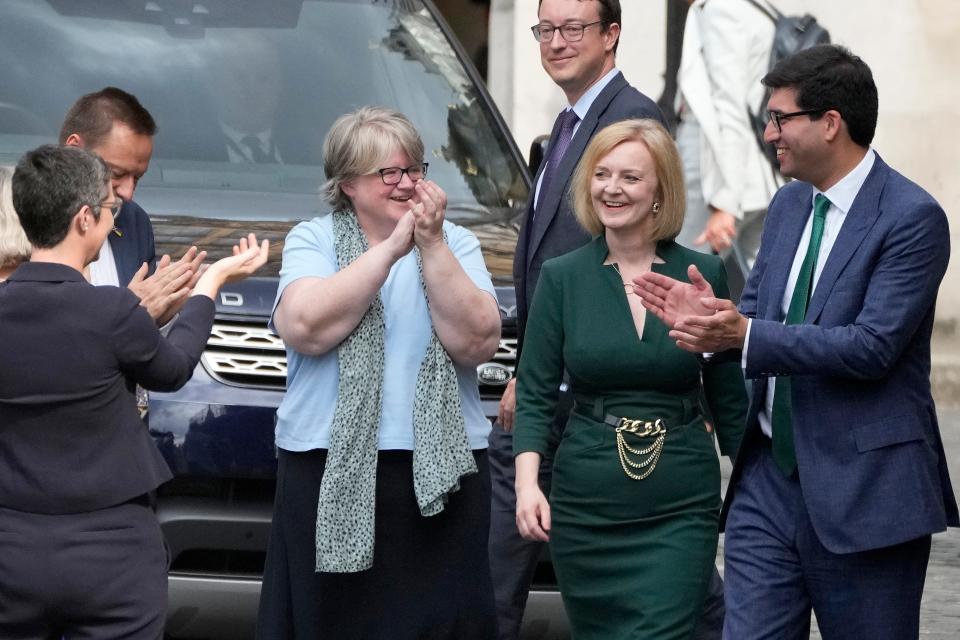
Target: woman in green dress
{"x": 633, "y": 512}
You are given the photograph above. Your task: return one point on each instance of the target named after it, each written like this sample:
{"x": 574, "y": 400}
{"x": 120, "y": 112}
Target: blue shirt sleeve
{"x": 308, "y": 252}
{"x": 466, "y": 249}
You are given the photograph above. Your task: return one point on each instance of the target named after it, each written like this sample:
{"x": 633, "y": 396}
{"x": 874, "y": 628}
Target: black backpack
{"x": 791, "y": 34}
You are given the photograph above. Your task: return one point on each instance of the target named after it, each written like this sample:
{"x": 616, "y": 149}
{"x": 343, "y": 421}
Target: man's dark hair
{"x": 50, "y": 185}
{"x": 826, "y": 77}
{"x": 609, "y": 13}
{"x": 93, "y": 115}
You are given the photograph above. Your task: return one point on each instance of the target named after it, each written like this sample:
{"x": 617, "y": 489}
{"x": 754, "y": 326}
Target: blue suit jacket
{"x": 869, "y": 454}
{"x": 135, "y": 246}
{"x": 559, "y": 232}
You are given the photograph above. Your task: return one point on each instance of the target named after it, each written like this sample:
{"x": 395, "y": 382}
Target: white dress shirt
{"x": 841, "y": 196}
{"x": 103, "y": 270}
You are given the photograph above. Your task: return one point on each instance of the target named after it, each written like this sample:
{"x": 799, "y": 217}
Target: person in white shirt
{"x": 726, "y": 50}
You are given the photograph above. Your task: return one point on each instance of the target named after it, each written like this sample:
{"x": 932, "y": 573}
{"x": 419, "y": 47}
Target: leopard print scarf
{"x": 441, "y": 455}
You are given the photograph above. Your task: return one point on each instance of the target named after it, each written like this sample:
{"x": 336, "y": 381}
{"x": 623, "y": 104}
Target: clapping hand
{"x": 672, "y": 300}
{"x": 164, "y": 293}
{"x": 246, "y": 259}
{"x": 724, "y": 329}
{"x": 428, "y": 213}
{"x": 698, "y": 321}
{"x": 400, "y": 240}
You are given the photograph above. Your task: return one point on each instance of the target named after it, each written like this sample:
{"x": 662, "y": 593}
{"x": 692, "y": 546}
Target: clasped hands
{"x": 422, "y": 225}
{"x": 699, "y": 322}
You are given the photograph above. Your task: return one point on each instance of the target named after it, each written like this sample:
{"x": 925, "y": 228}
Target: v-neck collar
{"x": 666, "y": 250}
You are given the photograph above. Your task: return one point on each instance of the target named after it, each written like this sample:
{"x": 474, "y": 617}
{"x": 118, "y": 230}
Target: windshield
{"x": 244, "y": 92}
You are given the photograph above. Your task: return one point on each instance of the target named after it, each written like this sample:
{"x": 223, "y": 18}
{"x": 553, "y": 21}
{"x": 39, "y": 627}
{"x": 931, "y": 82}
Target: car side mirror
{"x": 538, "y": 151}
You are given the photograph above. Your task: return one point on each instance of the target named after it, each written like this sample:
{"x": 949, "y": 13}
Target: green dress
{"x": 633, "y": 558}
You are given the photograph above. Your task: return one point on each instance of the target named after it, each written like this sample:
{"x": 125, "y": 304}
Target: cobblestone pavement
{"x": 940, "y": 609}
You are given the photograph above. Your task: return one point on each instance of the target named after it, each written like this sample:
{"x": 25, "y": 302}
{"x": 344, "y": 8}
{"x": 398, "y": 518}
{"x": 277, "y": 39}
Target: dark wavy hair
{"x": 826, "y": 77}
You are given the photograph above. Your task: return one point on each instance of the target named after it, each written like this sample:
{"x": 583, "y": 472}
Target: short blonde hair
{"x": 14, "y": 246}
{"x": 358, "y": 144}
{"x": 666, "y": 161}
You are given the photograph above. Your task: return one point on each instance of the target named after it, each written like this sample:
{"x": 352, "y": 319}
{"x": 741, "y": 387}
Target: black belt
{"x": 687, "y": 408}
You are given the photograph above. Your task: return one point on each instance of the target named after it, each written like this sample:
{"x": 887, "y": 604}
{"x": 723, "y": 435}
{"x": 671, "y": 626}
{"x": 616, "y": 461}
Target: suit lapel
{"x": 124, "y": 246}
{"x": 781, "y": 256}
{"x": 552, "y": 201}
{"x": 526, "y": 228}
{"x": 860, "y": 219}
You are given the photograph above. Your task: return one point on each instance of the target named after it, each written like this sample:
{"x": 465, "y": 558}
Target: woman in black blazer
{"x": 81, "y": 552}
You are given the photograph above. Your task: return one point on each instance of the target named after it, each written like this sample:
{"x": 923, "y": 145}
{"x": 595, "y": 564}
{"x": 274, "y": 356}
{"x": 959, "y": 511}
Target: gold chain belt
{"x": 638, "y": 470}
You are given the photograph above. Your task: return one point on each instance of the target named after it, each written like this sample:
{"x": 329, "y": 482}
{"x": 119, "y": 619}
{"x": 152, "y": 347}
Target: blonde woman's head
{"x": 669, "y": 199}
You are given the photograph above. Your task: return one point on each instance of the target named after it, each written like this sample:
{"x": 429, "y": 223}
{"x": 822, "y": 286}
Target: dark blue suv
{"x": 203, "y": 67}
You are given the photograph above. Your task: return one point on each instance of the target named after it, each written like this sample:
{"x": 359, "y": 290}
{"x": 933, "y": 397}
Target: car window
{"x": 244, "y": 92}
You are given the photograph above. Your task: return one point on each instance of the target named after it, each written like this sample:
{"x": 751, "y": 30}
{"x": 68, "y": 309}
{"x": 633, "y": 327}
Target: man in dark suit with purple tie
{"x": 841, "y": 477}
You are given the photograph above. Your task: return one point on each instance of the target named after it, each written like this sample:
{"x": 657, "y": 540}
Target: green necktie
{"x": 782, "y": 421}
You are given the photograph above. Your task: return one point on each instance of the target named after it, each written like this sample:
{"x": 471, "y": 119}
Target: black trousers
{"x": 85, "y": 576}
{"x": 430, "y": 577}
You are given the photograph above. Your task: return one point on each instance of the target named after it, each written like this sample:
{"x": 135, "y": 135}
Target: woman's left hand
{"x": 428, "y": 213}
{"x": 247, "y": 257}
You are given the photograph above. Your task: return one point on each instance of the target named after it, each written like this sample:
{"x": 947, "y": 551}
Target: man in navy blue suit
{"x": 841, "y": 478}
{"x": 114, "y": 125}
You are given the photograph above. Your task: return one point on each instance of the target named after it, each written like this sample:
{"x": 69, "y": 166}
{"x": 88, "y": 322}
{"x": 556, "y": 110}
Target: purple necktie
{"x": 563, "y": 131}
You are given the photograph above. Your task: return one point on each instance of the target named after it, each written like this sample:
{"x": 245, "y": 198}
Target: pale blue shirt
{"x": 581, "y": 108}
{"x": 306, "y": 412}
{"x": 841, "y": 196}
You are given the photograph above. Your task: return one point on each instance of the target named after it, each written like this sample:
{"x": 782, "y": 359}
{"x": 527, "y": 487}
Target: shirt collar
{"x": 583, "y": 105}
{"x": 842, "y": 194}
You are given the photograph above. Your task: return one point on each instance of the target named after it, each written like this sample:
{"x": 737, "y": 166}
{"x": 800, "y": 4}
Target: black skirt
{"x": 430, "y": 576}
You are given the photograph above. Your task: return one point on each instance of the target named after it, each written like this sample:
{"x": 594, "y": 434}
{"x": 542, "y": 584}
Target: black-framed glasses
{"x": 777, "y": 118}
{"x": 572, "y": 32}
{"x": 393, "y": 175}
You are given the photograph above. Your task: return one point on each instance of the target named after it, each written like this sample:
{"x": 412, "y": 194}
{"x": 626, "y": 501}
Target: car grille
{"x": 248, "y": 354}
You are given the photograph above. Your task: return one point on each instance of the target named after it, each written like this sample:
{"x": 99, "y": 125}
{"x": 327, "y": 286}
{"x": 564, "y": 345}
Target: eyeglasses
{"x": 114, "y": 206}
{"x": 393, "y": 175}
{"x": 777, "y": 118}
{"x": 569, "y": 32}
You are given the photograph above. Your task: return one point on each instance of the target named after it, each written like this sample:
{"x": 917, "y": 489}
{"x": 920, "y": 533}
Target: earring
{"x": 85, "y": 227}
{"x": 656, "y": 208}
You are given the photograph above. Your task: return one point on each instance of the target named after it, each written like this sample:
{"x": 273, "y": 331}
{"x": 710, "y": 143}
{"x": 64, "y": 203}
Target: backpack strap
{"x": 768, "y": 10}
